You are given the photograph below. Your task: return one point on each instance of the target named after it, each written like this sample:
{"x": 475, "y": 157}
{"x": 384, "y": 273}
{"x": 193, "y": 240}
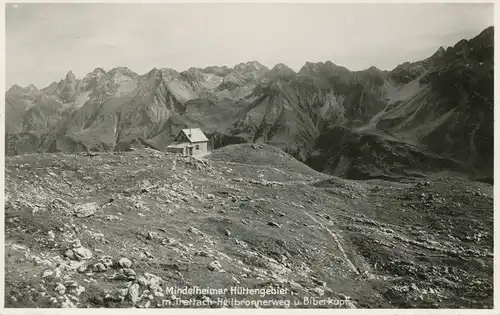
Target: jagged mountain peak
{"x": 279, "y": 71}
{"x": 151, "y": 73}
{"x": 193, "y": 71}
{"x": 461, "y": 44}
{"x": 436, "y": 56}
{"x": 99, "y": 70}
{"x": 123, "y": 71}
{"x": 371, "y": 71}
{"x": 169, "y": 74}
{"x": 32, "y": 88}
{"x": 92, "y": 79}
{"x": 309, "y": 65}
{"x": 282, "y": 70}
{"x": 320, "y": 66}
{"x": 486, "y": 38}
{"x": 374, "y": 69}
{"x": 487, "y": 32}
{"x": 16, "y": 89}
{"x": 70, "y": 76}
{"x": 324, "y": 73}
{"x": 281, "y": 67}
{"x": 250, "y": 65}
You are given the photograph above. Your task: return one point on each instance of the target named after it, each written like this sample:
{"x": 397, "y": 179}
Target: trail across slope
{"x": 115, "y": 230}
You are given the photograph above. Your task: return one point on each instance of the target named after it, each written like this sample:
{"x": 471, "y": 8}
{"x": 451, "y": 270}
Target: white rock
{"x": 86, "y": 209}
{"x": 46, "y": 263}
{"x": 214, "y": 265}
{"x": 142, "y": 281}
{"x": 47, "y": 273}
{"x": 99, "y": 267}
{"x": 194, "y": 230}
{"x": 108, "y": 262}
{"x": 155, "y": 288}
{"x": 82, "y": 253}
{"x": 319, "y": 291}
{"x": 125, "y": 262}
{"x": 60, "y": 288}
{"x": 77, "y": 243}
{"x": 133, "y": 293}
{"x": 52, "y": 236}
{"x": 79, "y": 290}
{"x": 70, "y": 254}
{"x": 57, "y": 259}
{"x": 67, "y": 304}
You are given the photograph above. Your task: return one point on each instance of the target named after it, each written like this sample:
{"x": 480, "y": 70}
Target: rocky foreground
{"x": 128, "y": 229}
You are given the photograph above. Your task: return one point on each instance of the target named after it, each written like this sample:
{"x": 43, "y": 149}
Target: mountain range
{"x": 420, "y": 118}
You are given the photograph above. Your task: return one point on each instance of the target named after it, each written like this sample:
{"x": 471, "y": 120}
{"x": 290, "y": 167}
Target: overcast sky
{"x": 44, "y": 41}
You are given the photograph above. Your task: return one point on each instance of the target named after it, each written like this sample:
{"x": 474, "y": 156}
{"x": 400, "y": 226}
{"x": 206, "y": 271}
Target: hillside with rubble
{"x": 118, "y": 229}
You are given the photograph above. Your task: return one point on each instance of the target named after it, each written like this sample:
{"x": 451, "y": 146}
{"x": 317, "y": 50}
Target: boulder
{"x": 85, "y": 210}
{"x": 125, "y": 262}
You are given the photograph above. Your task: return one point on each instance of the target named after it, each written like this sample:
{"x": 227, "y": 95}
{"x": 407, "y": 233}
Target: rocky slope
{"x": 119, "y": 229}
{"x": 437, "y": 111}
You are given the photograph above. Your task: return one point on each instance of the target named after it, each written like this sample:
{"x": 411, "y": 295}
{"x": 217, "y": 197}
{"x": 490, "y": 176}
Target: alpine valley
{"x": 421, "y": 118}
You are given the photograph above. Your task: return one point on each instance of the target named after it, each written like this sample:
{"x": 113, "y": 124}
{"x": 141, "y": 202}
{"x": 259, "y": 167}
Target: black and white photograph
{"x": 249, "y": 156}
